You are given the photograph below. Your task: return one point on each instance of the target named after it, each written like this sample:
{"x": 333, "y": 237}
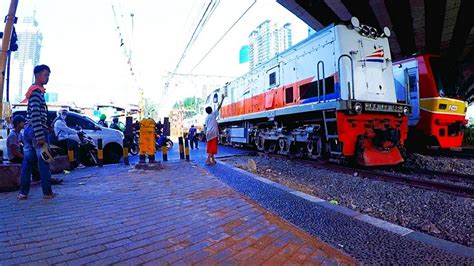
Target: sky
{"x": 81, "y": 44}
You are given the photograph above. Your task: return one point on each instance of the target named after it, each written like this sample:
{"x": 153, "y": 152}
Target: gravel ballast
{"x": 440, "y": 163}
{"x": 435, "y": 213}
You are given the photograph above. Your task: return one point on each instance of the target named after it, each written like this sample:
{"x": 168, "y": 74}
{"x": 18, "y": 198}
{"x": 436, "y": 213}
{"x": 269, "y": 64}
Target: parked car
{"x": 112, "y": 140}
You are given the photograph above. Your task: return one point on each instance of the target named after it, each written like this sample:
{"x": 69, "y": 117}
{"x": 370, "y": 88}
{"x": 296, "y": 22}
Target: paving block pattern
{"x": 179, "y": 215}
{"x": 9, "y": 177}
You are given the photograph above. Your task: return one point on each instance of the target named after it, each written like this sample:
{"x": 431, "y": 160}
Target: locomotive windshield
{"x": 447, "y": 78}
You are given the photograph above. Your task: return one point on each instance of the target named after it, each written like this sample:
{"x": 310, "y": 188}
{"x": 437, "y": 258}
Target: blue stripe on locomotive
{"x": 331, "y": 96}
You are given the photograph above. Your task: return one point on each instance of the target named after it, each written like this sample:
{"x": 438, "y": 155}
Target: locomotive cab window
{"x": 272, "y": 79}
{"x": 289, "y": 95}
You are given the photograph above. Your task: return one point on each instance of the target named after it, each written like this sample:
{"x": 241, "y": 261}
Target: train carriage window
{"x": 311, "y": 89}
{"x": 308, "y": 90}
{"x": 329, "y": 85}
{"x": 289, "y": 95}
{"x": 272, "y": 79}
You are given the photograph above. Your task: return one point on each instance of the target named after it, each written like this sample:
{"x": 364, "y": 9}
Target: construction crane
{"x": 7, "y": 34}
{"x": 128, "y": 54}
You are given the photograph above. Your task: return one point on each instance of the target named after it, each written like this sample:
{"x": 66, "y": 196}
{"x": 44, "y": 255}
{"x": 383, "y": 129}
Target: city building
{"x": 266, "y": 41}
{"x": 26, "y": 58}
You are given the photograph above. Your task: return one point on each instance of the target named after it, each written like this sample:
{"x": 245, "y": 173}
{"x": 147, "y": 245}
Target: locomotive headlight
{"x": 386, "y": 31}
{"x": 357, "y": 108}
{"x": 406, "y": 110}
{"x": 355, "y": 22}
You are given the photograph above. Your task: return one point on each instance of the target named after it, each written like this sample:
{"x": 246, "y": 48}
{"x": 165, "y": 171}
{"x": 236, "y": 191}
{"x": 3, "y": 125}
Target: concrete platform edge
{"x": 384, "y": 225}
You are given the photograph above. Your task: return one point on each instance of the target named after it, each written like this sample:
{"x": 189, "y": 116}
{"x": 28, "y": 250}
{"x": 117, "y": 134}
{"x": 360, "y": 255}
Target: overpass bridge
{"x": 442, "y": 27}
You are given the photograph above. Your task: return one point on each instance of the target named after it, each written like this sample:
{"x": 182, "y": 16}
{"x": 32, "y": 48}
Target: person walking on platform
{"x": 36, "y": 149}
{"x": 192, "y": 137}
{"x": 212, "y": 132}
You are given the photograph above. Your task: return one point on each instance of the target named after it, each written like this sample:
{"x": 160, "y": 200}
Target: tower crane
{"x": 128, "y": 53}
{"x": 5, "y": 46}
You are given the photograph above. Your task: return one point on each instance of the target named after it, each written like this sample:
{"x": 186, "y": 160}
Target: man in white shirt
{"x": 63, "y": 133}
{"x": 212, "y": 131}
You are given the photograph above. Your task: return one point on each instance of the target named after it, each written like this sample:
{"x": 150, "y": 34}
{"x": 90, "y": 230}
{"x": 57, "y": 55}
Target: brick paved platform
{"x": 181, "y": 215}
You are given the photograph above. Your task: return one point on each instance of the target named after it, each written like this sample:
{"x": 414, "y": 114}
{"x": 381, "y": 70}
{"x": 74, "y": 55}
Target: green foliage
{"x": 469, "y": 136}
{"x": 151, "y": 109}
{"x": 189, "y": 104}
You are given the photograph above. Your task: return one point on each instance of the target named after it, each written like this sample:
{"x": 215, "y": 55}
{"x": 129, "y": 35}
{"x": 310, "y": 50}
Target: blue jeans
{"x": 32, "y": 155}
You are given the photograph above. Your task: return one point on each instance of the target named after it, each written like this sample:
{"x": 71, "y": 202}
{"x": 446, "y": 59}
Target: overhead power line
{"x": 211, "y": 7}
{"x": 191, "y": 40}
{"x": 222, "y": 37}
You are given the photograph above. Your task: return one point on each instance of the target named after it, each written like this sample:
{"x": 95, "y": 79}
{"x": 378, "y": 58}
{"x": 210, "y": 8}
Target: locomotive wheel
{"x": 260, "y": 143}
{"x": 282, "y": 143}
{"x": 310, "y": 147}
{"x": 272, "y": 147}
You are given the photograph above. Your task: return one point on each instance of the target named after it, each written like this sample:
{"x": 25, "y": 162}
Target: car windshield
{"x": 77, "y": 120}
{"x": 90, "y": 120}
{"x": 446, "y": 77}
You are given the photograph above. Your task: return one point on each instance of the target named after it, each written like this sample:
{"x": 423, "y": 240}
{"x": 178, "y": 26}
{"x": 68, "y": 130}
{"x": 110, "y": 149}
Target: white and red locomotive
{"x": 331, "y": 95}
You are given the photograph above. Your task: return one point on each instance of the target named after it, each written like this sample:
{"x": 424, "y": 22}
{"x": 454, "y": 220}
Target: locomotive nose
{"x": 386, "y": 139}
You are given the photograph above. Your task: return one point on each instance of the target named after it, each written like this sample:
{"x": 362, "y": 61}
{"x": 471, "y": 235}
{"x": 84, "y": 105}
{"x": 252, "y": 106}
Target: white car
{"x": 112, "y": 140}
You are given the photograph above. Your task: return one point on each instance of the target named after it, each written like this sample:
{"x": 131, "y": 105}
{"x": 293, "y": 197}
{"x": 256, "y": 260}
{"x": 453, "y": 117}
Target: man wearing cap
{"x": 35, "y": 136}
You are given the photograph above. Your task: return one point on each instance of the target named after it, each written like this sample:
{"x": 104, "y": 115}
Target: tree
{"x": 151, "y": 109}
{"x": 190, "y": 105}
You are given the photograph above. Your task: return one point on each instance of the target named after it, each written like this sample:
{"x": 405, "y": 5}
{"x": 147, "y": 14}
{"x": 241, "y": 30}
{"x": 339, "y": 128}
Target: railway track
{"x": 461, "y": 152}
{"x": 453, "y": 183}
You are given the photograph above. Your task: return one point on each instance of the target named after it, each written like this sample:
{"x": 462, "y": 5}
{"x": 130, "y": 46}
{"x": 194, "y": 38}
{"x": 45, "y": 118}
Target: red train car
{"x": 437, "y": 115}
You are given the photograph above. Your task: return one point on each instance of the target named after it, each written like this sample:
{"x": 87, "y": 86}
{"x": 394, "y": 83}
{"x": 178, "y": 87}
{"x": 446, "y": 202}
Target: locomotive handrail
{"x": 349, "y": 96}
{"x": 324, "y": 83}
{"x": 407, "y": 87}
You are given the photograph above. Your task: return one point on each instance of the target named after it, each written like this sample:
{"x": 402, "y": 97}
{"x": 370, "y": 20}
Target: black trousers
{"x": 193, "y": 142}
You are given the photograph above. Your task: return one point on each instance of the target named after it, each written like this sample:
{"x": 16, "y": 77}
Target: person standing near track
{"x": 35, "y": 136}
{"x": 212, "y": 132}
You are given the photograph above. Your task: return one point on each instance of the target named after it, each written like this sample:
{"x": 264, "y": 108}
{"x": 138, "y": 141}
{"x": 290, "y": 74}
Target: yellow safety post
{"x": 186, "y": 148}
{"x": 181, "y": 148}
{"x": 147, "y": 140}
{"x": 70, "y": 155}
{"x": 164, "y": 152}
{"x": 125, "y": 154}
{"x": 100, "y": 153}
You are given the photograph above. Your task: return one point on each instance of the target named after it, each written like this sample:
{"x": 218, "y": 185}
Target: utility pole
{"x": 128, "y": 54}
{"x": 10, "y": 19}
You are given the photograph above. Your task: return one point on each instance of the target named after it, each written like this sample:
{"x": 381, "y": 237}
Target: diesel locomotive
{"x": 330, "y": 96}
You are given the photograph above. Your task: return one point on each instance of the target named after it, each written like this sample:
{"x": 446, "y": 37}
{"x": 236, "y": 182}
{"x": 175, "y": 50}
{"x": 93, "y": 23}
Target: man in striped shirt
{"x": 35, "y": 135}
